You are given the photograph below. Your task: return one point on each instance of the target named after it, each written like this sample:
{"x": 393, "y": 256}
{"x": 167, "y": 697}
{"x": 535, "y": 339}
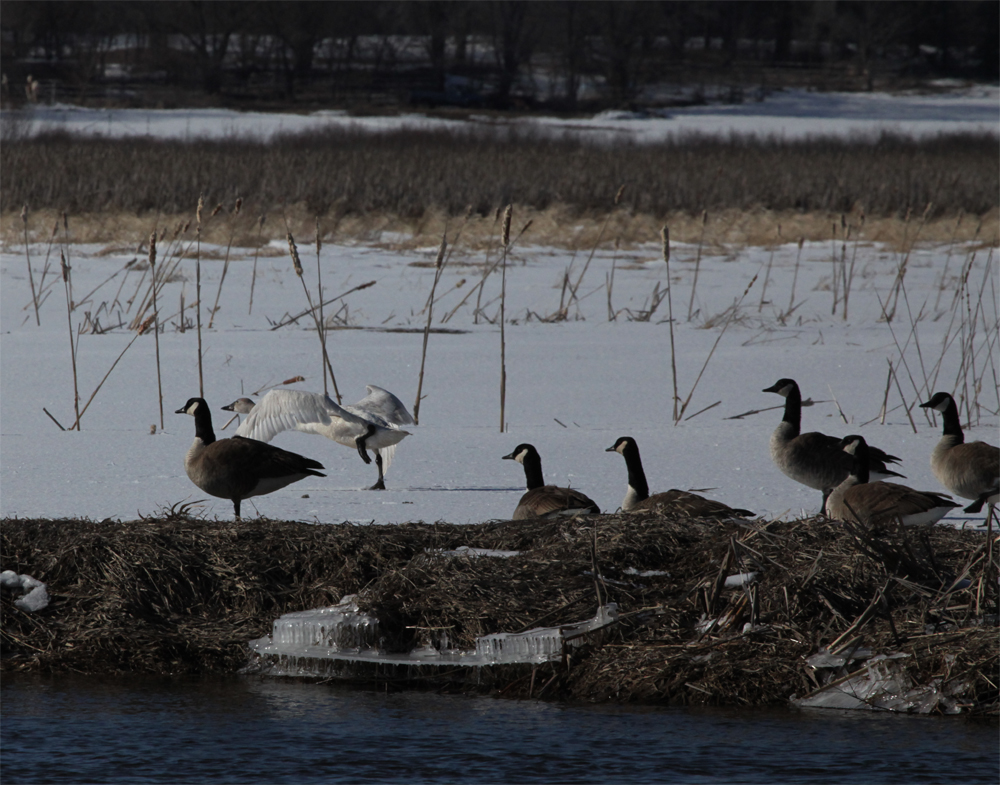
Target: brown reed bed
{"x": 338, "y": 172}
{"x": 174, "y": 594}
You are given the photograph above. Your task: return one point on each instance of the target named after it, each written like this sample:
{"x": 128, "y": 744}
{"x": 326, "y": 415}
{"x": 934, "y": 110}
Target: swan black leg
{"x": 380, "y": 485}
{"x": 360, "y": 442}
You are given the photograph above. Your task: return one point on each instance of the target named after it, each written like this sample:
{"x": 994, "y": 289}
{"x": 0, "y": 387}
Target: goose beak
{"x": 509, "y": 457}
{"x": 611, "y": 449}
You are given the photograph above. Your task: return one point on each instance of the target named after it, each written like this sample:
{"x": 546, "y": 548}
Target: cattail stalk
{"x": 697, "y": 262}
{"x": 156, "y": 322}
{"x": 297, "y": 264}
{"x": 505, "y": 241}
{"x": 72, "y": 343}
{"x": 256, "y": 253}
{"x": 197, "y": 285}
{"x": 665, "y": 236}
{"x": 319, "y": 287}
{"x": 225, "y": 264}
{"x": 27, "y": 255}
{"x": 142, "y": 329}
{"x": 795, "y": 275}
{"x": 438, "y": 268}
{"x": 732, "y": 315}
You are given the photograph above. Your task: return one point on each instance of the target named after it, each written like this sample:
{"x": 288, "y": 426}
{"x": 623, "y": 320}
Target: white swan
{"x": 373, "y": 423}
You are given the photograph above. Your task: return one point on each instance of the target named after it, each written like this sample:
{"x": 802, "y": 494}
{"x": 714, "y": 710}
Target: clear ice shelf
{"x": 300, "y": 641}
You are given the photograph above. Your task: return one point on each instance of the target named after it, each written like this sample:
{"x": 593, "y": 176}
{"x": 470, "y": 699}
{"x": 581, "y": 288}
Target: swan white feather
{"x": 375, "y": 420}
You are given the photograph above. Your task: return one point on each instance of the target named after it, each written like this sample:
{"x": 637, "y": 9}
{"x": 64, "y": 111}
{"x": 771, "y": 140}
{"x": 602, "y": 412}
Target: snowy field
{"x": 789, "y": 114}
{"x": 573, "y": 386}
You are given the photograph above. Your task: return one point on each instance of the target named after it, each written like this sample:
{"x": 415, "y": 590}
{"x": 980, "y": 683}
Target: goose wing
{"x": 691, "y": 505}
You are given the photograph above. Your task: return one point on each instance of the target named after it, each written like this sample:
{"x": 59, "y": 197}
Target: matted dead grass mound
{"x": 176, "y": 594}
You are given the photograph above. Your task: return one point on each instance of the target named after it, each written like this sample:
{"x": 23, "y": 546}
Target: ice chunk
{"x": 883, "y": 685}
{"x": 36, "y": 595}
{"x": 465, "y": 550}
{"x": 300, "y": 642}
{"x": 742, "y": 579}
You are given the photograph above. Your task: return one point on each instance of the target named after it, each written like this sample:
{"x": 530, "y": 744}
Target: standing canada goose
{"x": 373, "y": 423}
{"x": 543, "y": 500}
{"x": 873, "y": 503}
{"x": 815, "y": 459}
{"x": 970, "y": 470}
{"x": 637, "y": 496}
{"x": 239, "y": 468}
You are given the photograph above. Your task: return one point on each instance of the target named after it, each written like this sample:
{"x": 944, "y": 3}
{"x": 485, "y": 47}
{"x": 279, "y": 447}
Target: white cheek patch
{"x": 520, "y": 456}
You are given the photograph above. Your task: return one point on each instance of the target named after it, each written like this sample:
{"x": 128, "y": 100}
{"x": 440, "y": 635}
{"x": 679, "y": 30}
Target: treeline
{"x": 492, "y": 53}
{"x": 409, "y": 172}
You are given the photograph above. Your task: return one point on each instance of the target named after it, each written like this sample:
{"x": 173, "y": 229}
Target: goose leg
{"x": 236, "y": 506}
{"x": 380, "y": 485}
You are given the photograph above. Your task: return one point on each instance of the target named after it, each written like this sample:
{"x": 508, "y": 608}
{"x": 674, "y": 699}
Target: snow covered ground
{"x": 573, "y": 386}
{"x": 788, "y": 114}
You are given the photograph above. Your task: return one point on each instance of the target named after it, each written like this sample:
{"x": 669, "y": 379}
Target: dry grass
{"x": 341, "y": 173}
{"x": 558, "y": 225}
{"x": 175, "y": 594}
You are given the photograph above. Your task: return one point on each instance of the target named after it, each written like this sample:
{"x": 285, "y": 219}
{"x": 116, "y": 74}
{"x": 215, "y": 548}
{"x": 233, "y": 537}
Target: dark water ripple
{"x": 241, "y": 730}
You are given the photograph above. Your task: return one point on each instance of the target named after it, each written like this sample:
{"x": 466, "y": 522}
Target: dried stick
{"x": 256, "y": 253}
{"x": 697, "y": 265}
{"x": 319, "y": 296}
{"x": 795, "y": 274}
{"x": 156, "y": 322}
{"x": 27, "y": 255}
{"x": 438, "y": 267}
{"x": 69, "y": 322}
{"x": 225, "y": 264}
{"x": 296, "y": 262}
{"x": 729, "y": 321}
{"x": 505, "y": 241}
{"x": 142, "y": 328}
{"x": 197, "y": 279}
{"x": 665, "y": 236}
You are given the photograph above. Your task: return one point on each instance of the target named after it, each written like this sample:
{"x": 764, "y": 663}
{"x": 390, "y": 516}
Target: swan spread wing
{"x": 384, "y": 405}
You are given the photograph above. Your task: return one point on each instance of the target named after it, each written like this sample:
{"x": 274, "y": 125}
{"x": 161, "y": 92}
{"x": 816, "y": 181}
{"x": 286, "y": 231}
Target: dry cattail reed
{"x": 665, "y": 237}
{"x": 319, "y": 289}
{"x": 27, "y": 255}
{"x": 197, "y": 286}
{"x": 505, "y": 238}
{"x": 732, "y": 315}
{"x": 697, "y": 262}
{"x": 438, "y": 268}
{"x": 155, "y": 319}
{"x": 72, "y": 344}
{"x": 139, "y": 331}
{"x": 225, "y": 263}
{"x": 297, "y": 263}
{"x": 256, "y": 254}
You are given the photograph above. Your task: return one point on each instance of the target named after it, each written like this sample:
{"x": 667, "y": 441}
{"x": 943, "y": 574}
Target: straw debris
{"x": 176, "y": 594}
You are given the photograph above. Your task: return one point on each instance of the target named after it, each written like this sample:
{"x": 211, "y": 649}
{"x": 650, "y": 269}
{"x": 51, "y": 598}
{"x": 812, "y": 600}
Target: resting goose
{"x": 543, "y": 500}
{"x": 637, "y": 496}
{"x": 815, "y": 459}
{"x": 373, "y": 423}
{"x": 238, "y": 468}
{"x": 968, "y": 469}
{"x": 857, "y": 500}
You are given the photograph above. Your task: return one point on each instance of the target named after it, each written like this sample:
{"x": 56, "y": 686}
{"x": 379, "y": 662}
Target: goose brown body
{"x": 638, "y": 499}
{"x": 967, "y": 469}
{"x": 543, "y": 500}
{"x": 856, "y": 500}
{"x": 815, "y": 459}
{"x": 239, "y": 468}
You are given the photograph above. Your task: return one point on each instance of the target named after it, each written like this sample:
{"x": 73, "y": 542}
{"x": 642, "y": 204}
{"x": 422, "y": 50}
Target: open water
{"x": 250, "y": 730}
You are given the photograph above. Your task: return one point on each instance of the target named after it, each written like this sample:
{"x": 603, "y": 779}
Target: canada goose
{"x": 373, "y": 423}
{"x": 815, "y": 459}
{"x": 873, "y": 503}
{"x": 637, "y": 496}
{"x": 543, "y": 500}
{"x": 970, "y": 470}
{"x": 239, "y": 468}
